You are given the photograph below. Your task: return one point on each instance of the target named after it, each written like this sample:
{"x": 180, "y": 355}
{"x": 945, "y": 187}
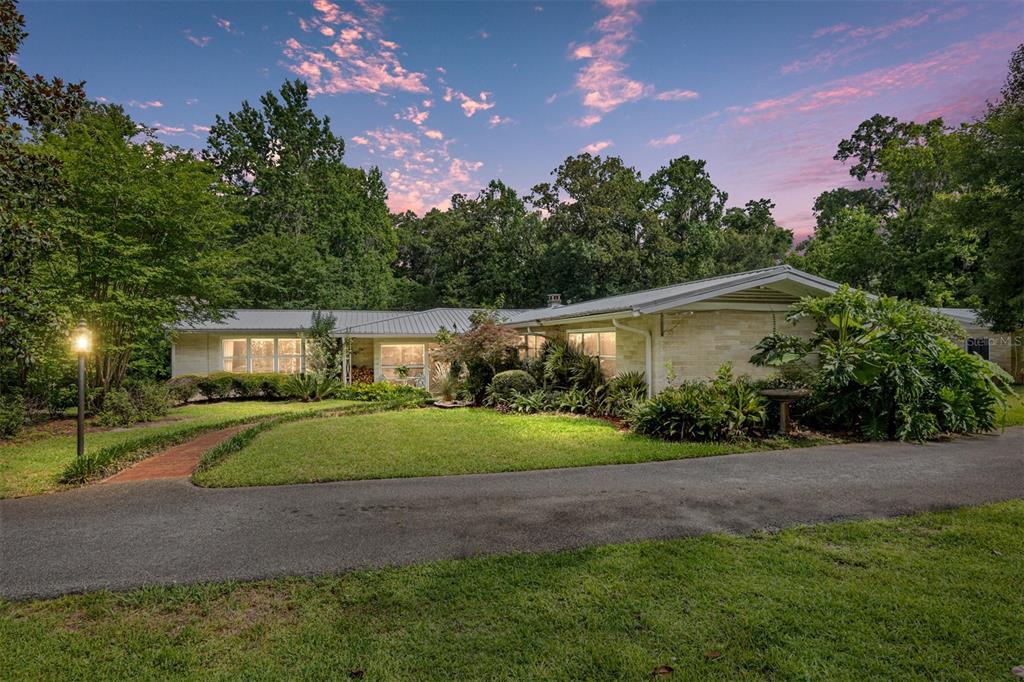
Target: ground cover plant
{"x": 921, "y": 597}
{"x": 435, "y": 442}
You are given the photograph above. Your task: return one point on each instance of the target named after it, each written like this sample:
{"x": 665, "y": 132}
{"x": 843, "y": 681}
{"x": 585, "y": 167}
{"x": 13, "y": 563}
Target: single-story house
{"x": 684, "y": 330}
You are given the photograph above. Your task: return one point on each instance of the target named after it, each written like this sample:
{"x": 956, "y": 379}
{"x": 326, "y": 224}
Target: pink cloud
{"x": 676, "y": 95}
{"x": 413, "y": 115}
{"x": 588, "y": 120}
{"x": 496, "y": 120}
{"x": 225, "y": 24}
{"x": 829, "y": 30}
{"x": 469, "y": 105}
{"x": 597, "y": 147}
{"x": 166, "y": 129}
{"x": 667, "y": 141}
{"x": 602, "y": 80}
{"x": 355, "y": 58}
{"x": 434, "y": 134}
{"x": 199, "y": 41}
{"x": 196, "y": 128}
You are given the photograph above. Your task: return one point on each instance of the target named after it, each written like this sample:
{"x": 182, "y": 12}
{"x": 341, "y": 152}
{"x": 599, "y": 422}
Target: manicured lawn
{"x": 33, "y": 465}
{"x": 935, "y": 596}
{"x": 1015, "y": 410}
{"x": 431, "y": 442}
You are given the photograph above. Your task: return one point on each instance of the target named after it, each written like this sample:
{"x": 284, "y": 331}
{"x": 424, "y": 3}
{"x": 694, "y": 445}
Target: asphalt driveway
{"x": 165, "y": 532}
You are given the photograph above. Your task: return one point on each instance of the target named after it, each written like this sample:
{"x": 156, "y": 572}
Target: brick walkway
{"x": 175, "y": 462}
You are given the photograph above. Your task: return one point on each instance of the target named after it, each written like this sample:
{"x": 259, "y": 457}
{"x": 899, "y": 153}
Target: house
{"x": 684, "y": 330}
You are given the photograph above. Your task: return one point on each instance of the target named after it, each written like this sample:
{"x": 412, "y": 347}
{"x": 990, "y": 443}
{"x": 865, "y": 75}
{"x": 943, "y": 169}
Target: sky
{"x": 445, "y": 96}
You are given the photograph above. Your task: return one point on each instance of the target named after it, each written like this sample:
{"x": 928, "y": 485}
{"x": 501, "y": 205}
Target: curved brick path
{"x": 175, "y": 462}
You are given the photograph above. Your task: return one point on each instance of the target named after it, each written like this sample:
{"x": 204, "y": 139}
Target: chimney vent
{"x": 554, "y": 300}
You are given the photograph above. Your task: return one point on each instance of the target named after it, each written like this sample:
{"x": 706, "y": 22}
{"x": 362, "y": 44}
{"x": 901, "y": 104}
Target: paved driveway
{"x": 131, "y": 534}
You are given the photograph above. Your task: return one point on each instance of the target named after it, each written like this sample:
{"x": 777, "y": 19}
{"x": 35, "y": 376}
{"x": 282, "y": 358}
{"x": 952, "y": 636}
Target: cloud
{"x": 483, "y": 34}
{"x": 829, "y": 30}
{"x": 196, "y": 128}
{"x": 199, "y": 41}
{"x": 150, "y": 104}
{"x": 162, "y": 129}
{"x": 469, "y": 105}
{"x": 192, "y": 101}
{"x": 596, "y": 147}
{"x": 434, "y": 134}
{"x": 226, "y": 25}
{"x": 587, "y": 121}
{"x": 550, "y": 99}
{"x": 602, "y": 80}
{"x": 676, "y": 95}
{"x": 413, "y": 115}
{"x": 927, "y": 71}
{"x": 667, "y": 141}
{"x": 421, "y": 172}
{"x": 496, "y": 120}
{"x": 355, "y": 57}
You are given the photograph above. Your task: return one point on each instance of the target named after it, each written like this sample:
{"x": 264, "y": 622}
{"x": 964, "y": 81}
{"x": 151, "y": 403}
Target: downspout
{"x": 648, "y": 352}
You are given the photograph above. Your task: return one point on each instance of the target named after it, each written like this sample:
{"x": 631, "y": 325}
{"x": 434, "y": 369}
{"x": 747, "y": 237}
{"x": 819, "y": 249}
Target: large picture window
{"x": 262, "y": 355}
{"x": 530, "y": 346}
{"x": 397, "y": 359}
{"x": 599, "y": 344}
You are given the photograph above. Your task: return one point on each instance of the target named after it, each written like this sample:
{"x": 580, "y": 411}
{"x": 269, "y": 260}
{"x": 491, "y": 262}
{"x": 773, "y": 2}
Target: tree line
{"x": 102, "y": 220}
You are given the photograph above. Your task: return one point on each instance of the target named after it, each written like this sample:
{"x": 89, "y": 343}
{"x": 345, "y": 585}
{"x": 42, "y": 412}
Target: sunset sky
{"x": 446, "y": 96}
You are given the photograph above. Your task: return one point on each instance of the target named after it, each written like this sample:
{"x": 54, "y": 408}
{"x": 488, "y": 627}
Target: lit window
{"x": 289, "y": 356}
{"x": 530, "y": 346}
{"x": 235, "y": 355}
{"x": 401, "y": 360}
{"x": 261, "y": 352}
{"x": 599, "y": 344}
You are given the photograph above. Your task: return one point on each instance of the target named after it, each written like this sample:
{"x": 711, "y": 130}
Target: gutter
{"x": 648, "y": 352}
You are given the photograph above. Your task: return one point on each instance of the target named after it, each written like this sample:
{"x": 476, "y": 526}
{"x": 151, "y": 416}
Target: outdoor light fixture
{"x": 82, "y": 343}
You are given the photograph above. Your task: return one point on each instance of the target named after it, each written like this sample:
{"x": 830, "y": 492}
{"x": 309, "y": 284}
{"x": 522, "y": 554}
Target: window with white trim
{"x": 599, "y": 344}
{"x": 263, "y": 355}
{"x": 398, "y": 359}
{"x": 289, "y": 356}
{"x": 531, "y": 346}
{"x": 236, "y": 355}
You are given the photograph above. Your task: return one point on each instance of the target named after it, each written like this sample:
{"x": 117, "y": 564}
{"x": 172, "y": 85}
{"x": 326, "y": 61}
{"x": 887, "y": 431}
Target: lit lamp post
{"x": 82, "y": 342}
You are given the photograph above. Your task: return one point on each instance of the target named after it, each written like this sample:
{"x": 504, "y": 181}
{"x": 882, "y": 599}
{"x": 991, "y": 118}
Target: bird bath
{"x": 784, "y": 396}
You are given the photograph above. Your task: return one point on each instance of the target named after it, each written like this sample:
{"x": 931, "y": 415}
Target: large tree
{"x": 29, "y": 184}
{"x": 329, "y": 221}
{"x": 143, "y": 230}
{"x": 751, "y": 239}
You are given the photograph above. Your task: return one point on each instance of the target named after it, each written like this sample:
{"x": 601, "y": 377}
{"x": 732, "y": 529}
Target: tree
{"x": 847, "y": 251}
{"x": 751, "y": 239}
{"x": 285, "y": 167}
{"x": 829, "y": 206}
{"x": 29, "y": 183}
{"x": 143, "y": 232}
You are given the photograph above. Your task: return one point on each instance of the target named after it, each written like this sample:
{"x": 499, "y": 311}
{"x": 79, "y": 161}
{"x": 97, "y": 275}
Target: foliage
{"x": 568, "y": 366}
{"x": 888, "y": 369}
{"x": 718, "y": 410}
{"x": 221, "y": 385}
{"x": 448, "y": 379}
{"x": 531, "y": 403}
{"x": 486, "y": 348}
{"x": 311, "y": 386}
{"x": 323, "y": 352}
{"x": 118, "y": 409}
{"x": 30, "y": 185}
{"x": 574, "y": 401}
{"x": 751, "y": 239}
{"x": 383, "y": 391}
{"x": 151, "y": 399}
{"x": 315, "y": 232}
{"x": 505, "y": 384}
{"x": 623, "y": 393}
{"x": 12, "y": 415}
{"x": 183, "y": 388}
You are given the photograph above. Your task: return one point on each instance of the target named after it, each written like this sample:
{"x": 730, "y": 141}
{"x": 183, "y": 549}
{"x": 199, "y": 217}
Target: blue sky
{"x": 445, "y": 96}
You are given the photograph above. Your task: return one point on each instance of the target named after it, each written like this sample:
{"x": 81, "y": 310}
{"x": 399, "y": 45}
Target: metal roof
{"x": 248, "y": 319}
{"x": 676, "y": 295}
{"x": 961, "y": 315}
{"x": 425, "y": 323}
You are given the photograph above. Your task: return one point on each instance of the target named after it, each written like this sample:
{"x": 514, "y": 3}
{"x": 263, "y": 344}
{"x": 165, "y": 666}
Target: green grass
{"x": 433, "y": 442}
{"x": 1014, "y": 415}
{"x": 34, "y": 465}
{"x": 935, "y": 596}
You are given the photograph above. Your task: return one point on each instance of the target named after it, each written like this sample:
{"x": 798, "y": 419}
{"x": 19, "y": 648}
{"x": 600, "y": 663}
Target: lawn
{"x": 935, "y": 596}
{"x": 32, "y": 464}
{"x": 432, "y": 442}
{"x": 1014, "y": 415}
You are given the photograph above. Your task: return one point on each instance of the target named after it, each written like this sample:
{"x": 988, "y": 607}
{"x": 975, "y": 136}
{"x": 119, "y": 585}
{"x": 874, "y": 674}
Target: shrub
{"x": 575, "y": 401}
{"x": 183, "y": 388}
{"x": 312, "y": 386}
{"x": 486, "y": 349}
{"x": 505, "y": 384}
{"x": 217, "y": 386}
{"x": 12, "y": 415}
{"x": 566, "y": 366}
{"x": 531, "y": 403}
{"x": 118, "y": 409}
{"x": 150, "y": 399}
{"x": 383, "y": 391}
{"x": 721, "y": 409}
{"x": 887, "y": 369}
{"x": 623, "y": 393}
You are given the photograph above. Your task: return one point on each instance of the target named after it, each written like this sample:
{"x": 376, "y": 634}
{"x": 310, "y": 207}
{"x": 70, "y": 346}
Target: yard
{"x": 932, "y": 596}
{"x": 32, "y": 463}
{"x": 434, "y": 442}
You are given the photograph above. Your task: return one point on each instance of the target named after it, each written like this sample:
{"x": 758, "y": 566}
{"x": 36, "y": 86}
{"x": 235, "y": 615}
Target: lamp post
{"x": 82, "y": 343}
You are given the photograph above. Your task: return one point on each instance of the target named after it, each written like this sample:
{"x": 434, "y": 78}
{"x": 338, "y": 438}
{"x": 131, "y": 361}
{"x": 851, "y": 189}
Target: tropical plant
{"x": 623, "y": 393}
{"x": 531, "y": 403}
{"x": 311, "y": 386}
{"x": 888, "y": 369}
{"x": 574, "y": 401}
{"x": 506, "y": 384}
{"x": 568, "y": 366}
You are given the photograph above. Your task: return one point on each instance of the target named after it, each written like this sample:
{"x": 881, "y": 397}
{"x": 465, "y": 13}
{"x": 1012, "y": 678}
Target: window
{"x": 236, "y": 355}
{"x": 407, "y": 355}
{"x": 263, "y": 355}
{"x": 978, "y": 347}
{"x": 530, "y": 346}
{"x": 600, "y": 344}
{"x": 289, "y": 356}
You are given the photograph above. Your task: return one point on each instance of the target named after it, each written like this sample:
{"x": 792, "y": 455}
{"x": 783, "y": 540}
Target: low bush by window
{"x": 506, "y": 384}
